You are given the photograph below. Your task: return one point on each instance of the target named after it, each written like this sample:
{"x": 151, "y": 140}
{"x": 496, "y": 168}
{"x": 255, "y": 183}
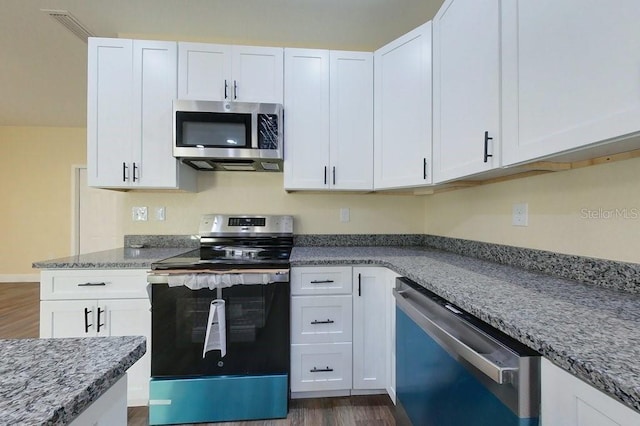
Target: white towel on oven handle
{"x": 213, "y": 281}
{"x": 216, "y": 336}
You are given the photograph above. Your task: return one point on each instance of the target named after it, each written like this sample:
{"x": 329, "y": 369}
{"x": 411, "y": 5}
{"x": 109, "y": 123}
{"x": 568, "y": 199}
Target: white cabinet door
{"x": 570, "y": 73}
{"x": 154, "y": 89}
{"x": 466, "y": 88}
{"x": 306, "y": 126}
{"x": 568, "y": 401}
{"x": 390, "y": 301}
{"x": 68, "y": 318}
{"x": 402, "y": 111}
{"x": 109, "y": 112}
{"x": 370, "y": 345}
{"x": 132, "y": 318}
{"x": 258, "y": 74}
{"x": 204, "y": 71}
{"x": 351, "y": 109}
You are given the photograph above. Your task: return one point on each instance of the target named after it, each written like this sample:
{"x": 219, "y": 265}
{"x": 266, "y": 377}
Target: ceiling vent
{"x": 70, "y": 22}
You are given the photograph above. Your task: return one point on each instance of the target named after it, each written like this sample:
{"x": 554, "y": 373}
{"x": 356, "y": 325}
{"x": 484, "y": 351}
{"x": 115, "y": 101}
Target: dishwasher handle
{"x": 489, "y": 368}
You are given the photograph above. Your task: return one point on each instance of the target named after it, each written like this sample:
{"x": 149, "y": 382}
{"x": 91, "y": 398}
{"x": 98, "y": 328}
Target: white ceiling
{"x": 43, "y": 65}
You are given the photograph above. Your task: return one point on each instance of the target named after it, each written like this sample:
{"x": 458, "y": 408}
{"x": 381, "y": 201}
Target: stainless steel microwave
{"x": 231, "y": 136}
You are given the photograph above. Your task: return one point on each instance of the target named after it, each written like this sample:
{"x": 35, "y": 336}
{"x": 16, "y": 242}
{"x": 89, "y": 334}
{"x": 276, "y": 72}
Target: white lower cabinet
{"x": 340, "y": 325}
{"x": 95, "y": 303}
{"x": 568, "y": 401}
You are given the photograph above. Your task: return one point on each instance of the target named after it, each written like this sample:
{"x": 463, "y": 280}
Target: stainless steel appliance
{"x": 454, "y": 370}
{"x": 232, "y": 136}
{"x": 220, "y": 324}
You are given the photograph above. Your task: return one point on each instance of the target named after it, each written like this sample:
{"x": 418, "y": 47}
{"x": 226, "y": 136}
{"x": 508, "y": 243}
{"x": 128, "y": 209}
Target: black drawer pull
{"x": 321, "y": 281}
{"x": 320, "y": 370}
{"x": 322, "y": 322}
{"x": 92, "y": 284}
{"x": 486, "y": 146}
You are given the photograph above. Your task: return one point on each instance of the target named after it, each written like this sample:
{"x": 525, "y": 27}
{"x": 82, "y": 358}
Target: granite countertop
{"x": 51, "y": 381}
{"x": 121, "y": 258}
{"x": 592, "y": 332}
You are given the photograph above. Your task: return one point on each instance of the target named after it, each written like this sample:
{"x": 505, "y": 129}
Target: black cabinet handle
{"x": 424, "y": 168}
{"x": 321, "y": 281}
{"x": 135, "y": 168}
{"x": 124, "y": 172}
{"x": 334, "y": 175}
{"x": 235, "y": 89}
{"x": 320, "y": 370}
{"x": 314, "y": 322}
{"x": 325, "y": 175}
{"x": 359, "y": 284}
{"x": 92, "y": 284}
{"x": 100, "y": 312}
{"x": 87, "y": 311}
{"x": 486, "y": 146}
{"x": 225, "y": 88}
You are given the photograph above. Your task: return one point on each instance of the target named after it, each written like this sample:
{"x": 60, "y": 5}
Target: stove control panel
{"x": 221, "y": 224}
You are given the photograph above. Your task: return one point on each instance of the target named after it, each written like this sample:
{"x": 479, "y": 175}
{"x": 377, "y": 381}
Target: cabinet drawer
{"x": 321, "y": 319}
{"x": 320, "y": 367}
{"x": 321, "y": 280}
{"x": 65, "y": 284}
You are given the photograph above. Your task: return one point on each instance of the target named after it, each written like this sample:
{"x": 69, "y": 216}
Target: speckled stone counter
{"x": 51, "y": 381}
{"x": 590, "y": 331}
{"x": 122, "y": 258}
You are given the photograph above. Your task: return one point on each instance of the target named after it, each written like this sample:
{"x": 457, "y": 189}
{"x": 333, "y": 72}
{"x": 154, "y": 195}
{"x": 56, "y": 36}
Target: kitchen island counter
{"x": 52, "y": 381}
{"x": 589, "y": 331}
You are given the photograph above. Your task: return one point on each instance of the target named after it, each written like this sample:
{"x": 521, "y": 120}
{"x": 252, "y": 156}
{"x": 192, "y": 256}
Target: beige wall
{"x": 232, "y": 192}
{"x": 564, "y": 212}
{"x": 35, "y": 215}
{"x": 36, "y": 170}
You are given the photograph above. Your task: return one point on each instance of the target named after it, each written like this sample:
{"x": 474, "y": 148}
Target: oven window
{"x": 213, "y": 130}
{"x": 257, "y": 331}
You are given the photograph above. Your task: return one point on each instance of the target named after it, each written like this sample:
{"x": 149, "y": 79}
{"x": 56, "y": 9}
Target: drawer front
{"x": 320, "y": 367}
{"x": 65, "y": 284}
{"x": 321, "y": 319}
{"x": 321, "y": 280}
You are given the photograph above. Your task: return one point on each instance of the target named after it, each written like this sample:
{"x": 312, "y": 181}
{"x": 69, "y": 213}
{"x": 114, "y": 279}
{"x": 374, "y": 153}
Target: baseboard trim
{"x": 19, "y": 278}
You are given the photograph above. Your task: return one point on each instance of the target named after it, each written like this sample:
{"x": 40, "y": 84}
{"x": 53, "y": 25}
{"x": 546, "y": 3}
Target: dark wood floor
{"x": 20, "y": 318}
{"x": 375, "y": 410}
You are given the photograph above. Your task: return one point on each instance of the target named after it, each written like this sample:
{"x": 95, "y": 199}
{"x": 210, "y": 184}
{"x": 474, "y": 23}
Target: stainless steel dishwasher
{"x": 454, "y": 370}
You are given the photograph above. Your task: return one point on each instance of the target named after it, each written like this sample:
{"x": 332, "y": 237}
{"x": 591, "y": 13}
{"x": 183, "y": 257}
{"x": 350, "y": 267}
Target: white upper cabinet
{"x": 131, "y": 86}
{"x": 351, "y": 109}
{"x": 402, "y": 111}
{"x": 109, "y": 112}
{"x": 306, "y": 124}
{"x": 329, "y": 120}
{"x": 570, "y": 75}
{"x": 466, "y": 88}
{"x": 214, "y": 72}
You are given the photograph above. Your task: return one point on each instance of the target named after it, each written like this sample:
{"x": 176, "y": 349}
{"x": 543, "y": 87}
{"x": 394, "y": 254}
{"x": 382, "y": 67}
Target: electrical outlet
{"x": 344, "y": 214}
{"x": 520, "y": 214}
{"x": 159, "y": 213}
{"x": 139, "y": 214}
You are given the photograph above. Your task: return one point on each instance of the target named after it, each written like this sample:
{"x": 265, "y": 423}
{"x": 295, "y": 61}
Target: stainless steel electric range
{"x": 220, "y": 324}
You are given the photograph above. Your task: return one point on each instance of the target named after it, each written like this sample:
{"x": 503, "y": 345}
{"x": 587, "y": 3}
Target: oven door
{"x": 257, "y": 331}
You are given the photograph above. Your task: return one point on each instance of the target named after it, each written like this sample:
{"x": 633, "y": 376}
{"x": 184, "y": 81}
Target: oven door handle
{"x": 162, "y": 277}
{"x": 454, "y": 342}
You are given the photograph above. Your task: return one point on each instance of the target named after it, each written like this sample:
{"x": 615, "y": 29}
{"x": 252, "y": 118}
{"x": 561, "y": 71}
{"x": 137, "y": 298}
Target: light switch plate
{"x": 344, "y": 214}
{"x": 159, "y": 213}
{"x": 139, "y": 214}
